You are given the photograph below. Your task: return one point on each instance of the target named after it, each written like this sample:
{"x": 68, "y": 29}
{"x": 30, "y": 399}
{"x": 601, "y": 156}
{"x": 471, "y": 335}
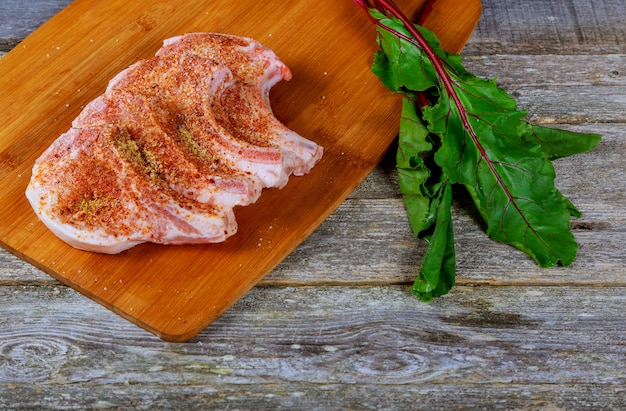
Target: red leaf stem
{"x": 421, "y": 16}
{"x": 388, "y": 7}
{"x": 424, "y": 11}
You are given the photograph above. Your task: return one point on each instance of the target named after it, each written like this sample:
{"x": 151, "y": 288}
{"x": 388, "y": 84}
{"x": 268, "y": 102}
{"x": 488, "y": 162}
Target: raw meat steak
{"x": 174, "y": 143}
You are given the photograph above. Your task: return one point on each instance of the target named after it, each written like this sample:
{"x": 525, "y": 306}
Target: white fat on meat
{"x": 170, "y": 148}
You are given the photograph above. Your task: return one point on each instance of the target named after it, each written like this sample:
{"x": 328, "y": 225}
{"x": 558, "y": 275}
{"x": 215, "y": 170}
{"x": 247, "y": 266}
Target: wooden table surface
{"x": 335, "y": 325}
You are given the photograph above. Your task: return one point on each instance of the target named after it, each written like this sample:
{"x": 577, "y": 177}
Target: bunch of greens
{"x": 456, "y": 128}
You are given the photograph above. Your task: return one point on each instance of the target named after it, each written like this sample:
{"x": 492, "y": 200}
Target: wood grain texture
{"x": 359, "y": 347}
{"x": 513, "y": 337}
{"x": 19, "y": 18}
{"x": 537, "y": 27}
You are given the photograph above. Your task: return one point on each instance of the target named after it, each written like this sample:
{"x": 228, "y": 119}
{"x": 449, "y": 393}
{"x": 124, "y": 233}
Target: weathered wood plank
{"x": 564, "y": 70}
{"x": 550, "y": 27}
{"x": 560, "y": 89}
{"x": 362, "y": 255}
{"x": 19, "y": 18}
{"x": 306, "y": 347}
{"x": 314, "y": 397}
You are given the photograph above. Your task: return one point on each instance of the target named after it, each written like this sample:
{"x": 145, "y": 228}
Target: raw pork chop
{"x": 174, "y": 143}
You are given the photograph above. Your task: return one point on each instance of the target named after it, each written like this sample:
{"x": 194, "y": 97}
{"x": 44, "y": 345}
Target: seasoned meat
{"x": 173, "y": 144}
{"x": 245, "y": 113}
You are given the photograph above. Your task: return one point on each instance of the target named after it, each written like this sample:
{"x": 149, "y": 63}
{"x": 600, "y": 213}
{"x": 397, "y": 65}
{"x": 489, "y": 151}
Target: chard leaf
{"x": 413, "y": 173}
{"x": 428, "y": 202}
{"x": 469, "y": 132}
{"x": 487, "y": 146}
{"x": 510, "y": 178}
{"x": 438, "y": 272}
{"x": 560, "y": 143}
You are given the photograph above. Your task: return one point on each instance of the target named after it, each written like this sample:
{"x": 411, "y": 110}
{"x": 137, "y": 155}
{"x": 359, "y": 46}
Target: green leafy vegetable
{"x": 457, "y": 128}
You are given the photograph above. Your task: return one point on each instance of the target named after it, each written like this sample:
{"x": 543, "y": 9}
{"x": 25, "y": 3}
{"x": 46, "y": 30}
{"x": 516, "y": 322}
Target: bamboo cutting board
{"x": 333, "y": 99}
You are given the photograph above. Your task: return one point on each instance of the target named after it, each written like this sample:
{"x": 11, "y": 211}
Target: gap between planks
{"x": 272, "y": 283}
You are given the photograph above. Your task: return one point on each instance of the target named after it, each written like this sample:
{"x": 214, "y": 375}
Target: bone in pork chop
{"x": 174, "y": 143}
